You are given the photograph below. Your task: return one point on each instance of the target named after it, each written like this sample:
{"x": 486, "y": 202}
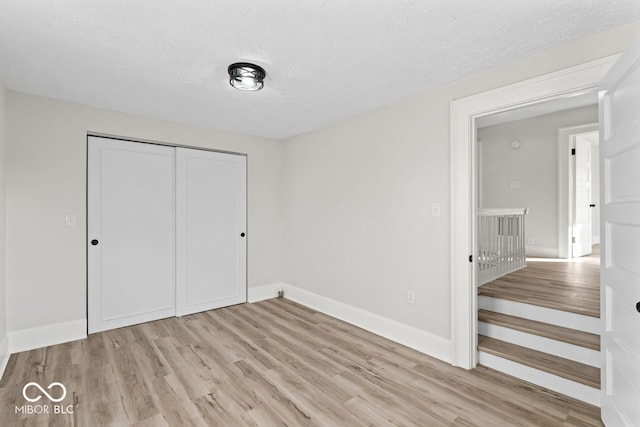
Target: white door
{"x": 582, "y": 233}
{"x": 620, "y": 242}
{"x": 211, "y": 230}
{"x": 130, "y": 231}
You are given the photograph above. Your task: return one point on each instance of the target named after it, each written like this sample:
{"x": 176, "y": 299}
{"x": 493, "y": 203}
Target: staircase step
{"x": 541, "y": 314}
{"x": 565, "y": 368}
{"x": 559, "y": 333}
{"x": 541, "y": 378}
{"x": 527, "y": 293}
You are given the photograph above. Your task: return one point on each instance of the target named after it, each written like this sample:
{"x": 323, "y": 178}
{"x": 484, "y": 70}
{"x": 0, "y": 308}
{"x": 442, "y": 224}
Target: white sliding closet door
{"x": 131, "y": 223}
{"x": 210, "y": 230}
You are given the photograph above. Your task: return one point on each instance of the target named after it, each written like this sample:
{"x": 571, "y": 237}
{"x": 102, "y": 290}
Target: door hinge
{"x": 573, "y": 151}
{"x": 470, "y": 258}
{"x": 573, "y": 240}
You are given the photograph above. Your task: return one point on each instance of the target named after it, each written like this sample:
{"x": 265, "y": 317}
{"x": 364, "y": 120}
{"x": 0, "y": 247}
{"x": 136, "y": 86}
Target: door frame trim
{"x": 163, "y": 143}
{"x": 464, "y": 112}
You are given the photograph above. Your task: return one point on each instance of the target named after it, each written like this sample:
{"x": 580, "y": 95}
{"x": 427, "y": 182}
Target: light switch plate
{"x": 70, "y": 220}
{"x": 435, "y": 209}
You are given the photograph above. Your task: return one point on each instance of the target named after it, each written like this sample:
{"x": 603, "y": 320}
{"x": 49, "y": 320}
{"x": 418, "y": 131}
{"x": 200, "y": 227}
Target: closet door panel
{"x": 211, "y": 221}
{"x": 131, "y": 229}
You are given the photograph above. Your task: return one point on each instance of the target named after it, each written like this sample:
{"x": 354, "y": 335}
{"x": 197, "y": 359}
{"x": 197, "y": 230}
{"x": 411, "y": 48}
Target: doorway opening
{"x": 465, "y": 113}
{"x": 539, "y": 321}
{"x": 575, "y": 174}
{"x": 541, "y": 160}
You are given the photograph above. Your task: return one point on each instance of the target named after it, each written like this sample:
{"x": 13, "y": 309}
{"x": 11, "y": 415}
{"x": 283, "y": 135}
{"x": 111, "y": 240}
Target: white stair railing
{"x": 501, "y": 243}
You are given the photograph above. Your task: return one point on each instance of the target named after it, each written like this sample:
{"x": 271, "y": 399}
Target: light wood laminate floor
{"x": 267, "y": 364}
{"x": 568, "y": 285}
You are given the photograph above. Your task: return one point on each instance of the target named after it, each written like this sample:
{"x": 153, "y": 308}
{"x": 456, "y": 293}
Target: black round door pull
{"x": 241, "y": 234}
{"x": 638, "y": 306}
{"x": 592, "y": 205}
{"x": 94, "y": 242}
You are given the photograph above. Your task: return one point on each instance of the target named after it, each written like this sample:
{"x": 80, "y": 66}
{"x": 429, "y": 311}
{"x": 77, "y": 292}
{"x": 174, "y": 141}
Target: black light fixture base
{"x": 246, "y": 76}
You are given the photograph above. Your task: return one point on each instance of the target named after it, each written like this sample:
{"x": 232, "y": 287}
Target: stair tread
{"x": 535, "y": 297}
{"x": 559, "y": 333}
{"x": 569, "y": 369}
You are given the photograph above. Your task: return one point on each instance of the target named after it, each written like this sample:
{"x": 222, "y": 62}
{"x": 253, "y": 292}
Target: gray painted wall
{"x": 46, "y": 178}
{"x": 3, "y": 292}
{"x": 358, "y": 195}
{"x": 533, "y": 166}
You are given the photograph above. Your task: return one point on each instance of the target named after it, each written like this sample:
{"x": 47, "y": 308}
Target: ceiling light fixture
{"x": 245, "y": 76}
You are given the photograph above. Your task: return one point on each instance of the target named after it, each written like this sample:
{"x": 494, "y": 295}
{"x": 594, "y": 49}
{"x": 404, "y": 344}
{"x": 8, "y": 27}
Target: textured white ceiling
{"x": 325, "y": 60}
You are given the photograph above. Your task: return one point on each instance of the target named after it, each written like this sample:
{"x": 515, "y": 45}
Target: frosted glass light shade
{"x": 245, "y": 76}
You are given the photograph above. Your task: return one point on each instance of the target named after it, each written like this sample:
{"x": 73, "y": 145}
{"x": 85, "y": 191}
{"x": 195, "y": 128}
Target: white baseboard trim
{"x": 541, "y": 251}
{"x": 422, "y": 341}
{"x": 546, "y": 345}
{"x": 567, "y": 387}
{"x": 4, "y": 354}
{"x": 43, "y": 336}
{"x": 261, "y": 293}
{"x": 541, "y": 314}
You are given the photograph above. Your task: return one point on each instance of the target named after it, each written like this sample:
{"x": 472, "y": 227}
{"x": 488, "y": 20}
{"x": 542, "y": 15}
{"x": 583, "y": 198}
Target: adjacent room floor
{"x": 269, "y": 363}
{"x": 563, "y": 284}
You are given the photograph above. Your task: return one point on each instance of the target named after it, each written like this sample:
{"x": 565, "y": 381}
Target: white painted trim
{"x": 544, "y": 379}
{"x": 566, "y": 198}
{"x": 464, "y": 326}
{"x": 44, "y": 336}
{"x": 463, "y": 183}
{"x": 541, "y": 251}
{"x": 261, "y": 293}
{"x": 501, "y": 211}
{"x": 479, "y": 174}
{"x": 401, "y": 333}
{"x": 4, "y": 354}
{"x": 541, "y": 314}
{"x": 543, "y": 344}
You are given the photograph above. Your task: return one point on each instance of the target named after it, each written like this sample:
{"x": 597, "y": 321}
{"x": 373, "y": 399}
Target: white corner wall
{"x": 46, "y": 179}
{"x": 358, "y": 196}
{"x": 534, "y": 166}
{"x": 4, "y": 341}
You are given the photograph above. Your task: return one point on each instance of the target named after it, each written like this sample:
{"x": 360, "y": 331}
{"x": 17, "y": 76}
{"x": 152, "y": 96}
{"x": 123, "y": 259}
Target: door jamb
{"x": 464, "y": 112}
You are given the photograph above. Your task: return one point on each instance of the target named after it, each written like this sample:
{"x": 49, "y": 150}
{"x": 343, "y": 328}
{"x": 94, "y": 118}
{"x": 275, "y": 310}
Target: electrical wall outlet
{"x": 411, "y": 297}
